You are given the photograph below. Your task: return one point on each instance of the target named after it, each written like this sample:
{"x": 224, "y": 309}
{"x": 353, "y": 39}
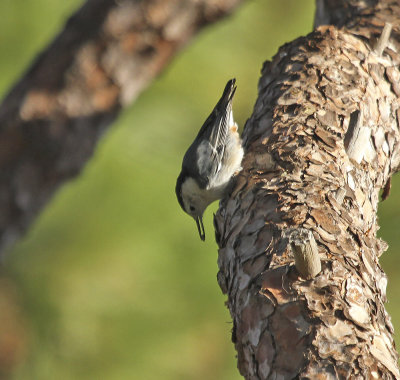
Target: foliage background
{"x": 112, "y": 281}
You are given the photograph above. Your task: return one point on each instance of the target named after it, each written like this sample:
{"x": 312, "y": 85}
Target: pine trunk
{"x": 322, "y": 141}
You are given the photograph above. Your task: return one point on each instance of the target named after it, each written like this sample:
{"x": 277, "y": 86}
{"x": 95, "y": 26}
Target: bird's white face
{"x": 195, "y": 203}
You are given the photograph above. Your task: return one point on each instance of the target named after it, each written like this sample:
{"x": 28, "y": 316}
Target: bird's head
{"x": 191, "y": 198}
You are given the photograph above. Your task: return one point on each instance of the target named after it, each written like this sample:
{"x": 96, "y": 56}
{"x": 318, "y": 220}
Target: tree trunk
{"x": 322, "y": 141}
{"x": 107, "y": 54}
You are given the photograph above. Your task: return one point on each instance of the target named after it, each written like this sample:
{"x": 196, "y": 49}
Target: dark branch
{"x": 108, "y": 52}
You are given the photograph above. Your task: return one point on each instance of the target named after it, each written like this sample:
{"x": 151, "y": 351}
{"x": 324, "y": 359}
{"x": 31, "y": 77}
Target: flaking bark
{"x": 296, "y": 164}
{"x": 107, "y": 54}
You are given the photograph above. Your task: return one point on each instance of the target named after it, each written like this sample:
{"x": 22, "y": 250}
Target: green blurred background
{"x": 112, "y": 281}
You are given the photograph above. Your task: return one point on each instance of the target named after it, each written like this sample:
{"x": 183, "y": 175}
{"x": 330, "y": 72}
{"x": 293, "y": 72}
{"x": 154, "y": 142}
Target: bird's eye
{"x": 192, "y": 208}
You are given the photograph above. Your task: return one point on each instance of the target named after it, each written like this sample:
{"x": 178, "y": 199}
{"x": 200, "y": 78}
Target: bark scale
{"x": 108, "y": 52}
{"x": 299, "y": 172}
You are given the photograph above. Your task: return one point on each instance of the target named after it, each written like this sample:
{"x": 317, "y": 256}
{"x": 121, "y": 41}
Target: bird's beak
{"x": 200, "y": 227}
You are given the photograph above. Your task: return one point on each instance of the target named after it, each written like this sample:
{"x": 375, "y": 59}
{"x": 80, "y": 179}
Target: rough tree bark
{"x": 322, "y": 141}
{"x": 107, "y": 54}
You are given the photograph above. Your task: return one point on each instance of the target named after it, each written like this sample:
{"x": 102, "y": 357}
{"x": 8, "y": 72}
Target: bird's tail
{"x": 229, "y": 92}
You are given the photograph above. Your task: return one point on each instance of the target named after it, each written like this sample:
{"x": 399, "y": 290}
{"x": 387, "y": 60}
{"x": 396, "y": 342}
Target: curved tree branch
{"x": 322, "y": 141}
{"x": 107, "y": 54}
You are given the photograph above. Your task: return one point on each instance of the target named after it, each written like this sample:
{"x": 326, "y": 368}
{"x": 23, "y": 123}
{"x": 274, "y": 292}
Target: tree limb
{"x": 296, "y": 163}
{"x": 107, "y": 54}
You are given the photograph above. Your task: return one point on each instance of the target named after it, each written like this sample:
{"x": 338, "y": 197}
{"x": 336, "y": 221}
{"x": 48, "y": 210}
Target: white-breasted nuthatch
{"x": 210, "y": 162}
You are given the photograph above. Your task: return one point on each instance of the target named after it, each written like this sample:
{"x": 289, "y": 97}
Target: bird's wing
{"x": 217, "y": 141}
{"x": 213, "y": 135}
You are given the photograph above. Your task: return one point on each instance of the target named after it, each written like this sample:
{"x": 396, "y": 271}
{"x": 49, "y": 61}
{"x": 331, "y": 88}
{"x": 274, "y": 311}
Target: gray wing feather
{"x": 203, "y": 161}
{"x": 211, "y": 151}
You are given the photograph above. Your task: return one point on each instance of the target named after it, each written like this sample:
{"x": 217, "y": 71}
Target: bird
{"x": 212, "y": 160}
